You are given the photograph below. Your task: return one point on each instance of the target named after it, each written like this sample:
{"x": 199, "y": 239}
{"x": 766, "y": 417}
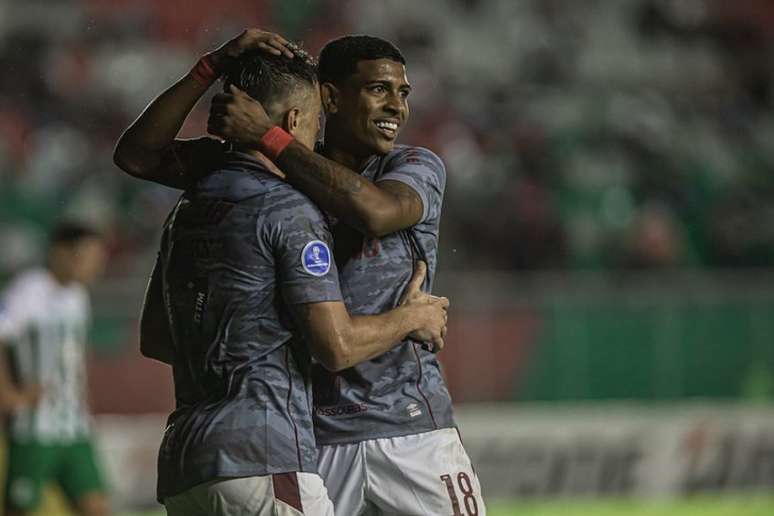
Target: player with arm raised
{"x": 398, "y": 401}
{"x": 392, "y": 413}
{"x": 243, "y": 253}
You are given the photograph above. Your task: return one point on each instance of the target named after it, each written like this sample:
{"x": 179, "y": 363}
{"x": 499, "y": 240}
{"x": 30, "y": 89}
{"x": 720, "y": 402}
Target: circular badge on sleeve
{"x": 316, "y": 258}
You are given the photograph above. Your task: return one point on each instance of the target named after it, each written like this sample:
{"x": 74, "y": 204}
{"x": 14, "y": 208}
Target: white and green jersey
{"x": 43, "y": 325}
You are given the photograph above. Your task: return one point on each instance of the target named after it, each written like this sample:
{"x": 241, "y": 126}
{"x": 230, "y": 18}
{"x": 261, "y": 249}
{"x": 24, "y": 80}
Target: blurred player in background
{"x": 389, "y": 440}
{"x": 44, "y": 322}
{"x": 241, "y": 249}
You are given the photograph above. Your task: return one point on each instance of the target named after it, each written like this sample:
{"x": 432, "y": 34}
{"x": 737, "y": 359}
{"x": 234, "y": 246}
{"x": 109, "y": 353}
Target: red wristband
{"x": 275, "y": 141}
{"x": 203, "y": 72}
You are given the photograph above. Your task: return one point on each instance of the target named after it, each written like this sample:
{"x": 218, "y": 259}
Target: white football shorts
{"x": 286, "y": 494}
{"x": 424, "y": 474}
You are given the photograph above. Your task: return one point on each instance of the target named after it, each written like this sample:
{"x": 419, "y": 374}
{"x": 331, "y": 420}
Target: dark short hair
{"x": 339, "y": 57}
{"x": 266, "y": 76}
{"x": 72, "y": 232}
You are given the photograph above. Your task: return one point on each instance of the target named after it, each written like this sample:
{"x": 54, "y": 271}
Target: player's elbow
{"x": 146, "y": 351}
{"x": 334, "y": 366}
{"x": 153, "y": 344}
{"x": 126, "y": 162}
{"x": 155, "y": 353}
{"x": 378, "y": 222}
{"x": 130, "y": 160}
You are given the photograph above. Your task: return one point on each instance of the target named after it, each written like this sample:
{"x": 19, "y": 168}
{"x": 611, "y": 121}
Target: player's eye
{"x": 378, "y": 88}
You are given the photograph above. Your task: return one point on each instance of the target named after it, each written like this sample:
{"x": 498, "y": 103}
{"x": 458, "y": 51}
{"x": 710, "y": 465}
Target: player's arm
{"x": 148, "y": 149}
{"x": 296, "y": 234}
{"x": 373, "y": 209}
{"x": 14, "y": 316}
{"x": 338, "y": 340}
{"x": 155, "y": 333}
{"x": 12, "y": 396}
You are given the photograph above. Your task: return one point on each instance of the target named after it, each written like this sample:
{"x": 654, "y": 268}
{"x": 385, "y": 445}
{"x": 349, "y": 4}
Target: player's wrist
{"x": 206, "y": 70}
{"x": 409, "y": 318}
{"x": 219, "y": 59}
{"x": 274, "y": 141}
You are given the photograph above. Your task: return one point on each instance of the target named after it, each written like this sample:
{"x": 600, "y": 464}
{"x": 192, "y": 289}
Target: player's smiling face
{"x": 373, "y": 104}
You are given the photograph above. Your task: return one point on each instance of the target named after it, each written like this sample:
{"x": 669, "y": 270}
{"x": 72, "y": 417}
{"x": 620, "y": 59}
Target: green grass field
{"x": 704, "y": 506}
{"x": 716, "y": 505}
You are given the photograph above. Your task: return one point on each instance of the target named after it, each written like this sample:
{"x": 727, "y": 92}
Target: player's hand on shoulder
{"x": 431, "y": 311}
{"x": 250, "y": 39}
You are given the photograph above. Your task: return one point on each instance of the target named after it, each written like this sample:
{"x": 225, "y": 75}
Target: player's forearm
{"x": 11, "y": 396}
{"x": 157, "y": 351}
{"x": 139, "y": 150}
{"x": 338, "y": 340}
{"x": 7, "y": 389}
{"x": 337, "y": 190}
{"x": 369, "y": 336}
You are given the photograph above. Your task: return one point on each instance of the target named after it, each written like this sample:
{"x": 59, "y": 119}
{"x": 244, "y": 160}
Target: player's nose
{"x": 394, "y": 105}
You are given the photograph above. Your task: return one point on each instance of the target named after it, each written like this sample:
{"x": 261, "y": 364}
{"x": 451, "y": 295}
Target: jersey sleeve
{"x": 424, "y": 172}
{"x": 14, "y": 309}
{"x": 303, "y": 252}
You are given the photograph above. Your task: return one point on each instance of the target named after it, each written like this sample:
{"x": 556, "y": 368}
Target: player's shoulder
{"x": 413, "y": 155}
{"x": 284, "y": 194}
{"x": 415, "y": 151}
{"x": 239, "y": 178}
{"x": 29, "y": 283}
{"x": 284, "y": 202}
{"x": 229, "y": 185}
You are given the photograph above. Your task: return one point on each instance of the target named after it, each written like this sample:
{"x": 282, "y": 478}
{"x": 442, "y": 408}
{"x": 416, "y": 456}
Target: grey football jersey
{"x": 401, "y": 392}
{"x": 239, "y": 246}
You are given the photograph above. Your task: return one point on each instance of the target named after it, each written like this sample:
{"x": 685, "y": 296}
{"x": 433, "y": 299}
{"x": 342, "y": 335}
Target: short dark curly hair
{"x": 339, "y": 57}
{"x": 265, "y": 77}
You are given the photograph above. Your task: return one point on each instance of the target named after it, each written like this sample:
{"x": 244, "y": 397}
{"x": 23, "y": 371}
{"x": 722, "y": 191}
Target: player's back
{"x": 242, "y": 402}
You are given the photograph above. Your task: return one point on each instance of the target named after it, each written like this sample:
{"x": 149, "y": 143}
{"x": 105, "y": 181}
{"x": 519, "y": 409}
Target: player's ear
{"x": 329, "y": 94}
{"x": 292, "y": 120}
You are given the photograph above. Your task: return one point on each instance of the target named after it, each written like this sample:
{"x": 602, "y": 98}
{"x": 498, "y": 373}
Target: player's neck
{"x": 267, "y": 163}
{"x": 343, "y": 156}
{"x": 61, "y": 277}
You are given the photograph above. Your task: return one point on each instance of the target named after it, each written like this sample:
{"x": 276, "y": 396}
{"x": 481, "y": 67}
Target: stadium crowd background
{"x": 606, "y": 231}
{"x": 594, "y": 134}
